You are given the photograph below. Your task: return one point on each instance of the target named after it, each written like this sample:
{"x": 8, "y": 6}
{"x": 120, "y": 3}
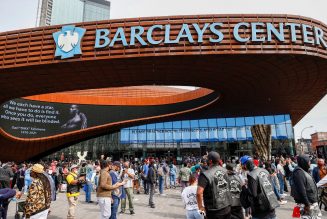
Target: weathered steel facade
{"x": 252, "y": 78}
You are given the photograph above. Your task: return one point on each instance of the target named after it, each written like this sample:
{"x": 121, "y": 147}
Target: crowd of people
{"x": 210, "y": 188}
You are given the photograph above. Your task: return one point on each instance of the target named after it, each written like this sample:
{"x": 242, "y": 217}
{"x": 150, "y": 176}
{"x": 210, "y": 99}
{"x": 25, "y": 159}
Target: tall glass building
{"x": 231, "y": 137}
{"x": 52, "y": 12}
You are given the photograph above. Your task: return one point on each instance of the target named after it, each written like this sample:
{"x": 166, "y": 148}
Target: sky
{"x": 19, "y": 14}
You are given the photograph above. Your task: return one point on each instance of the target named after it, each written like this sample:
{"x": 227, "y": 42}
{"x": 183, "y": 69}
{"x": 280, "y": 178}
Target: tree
{"x": 262, "y": 140}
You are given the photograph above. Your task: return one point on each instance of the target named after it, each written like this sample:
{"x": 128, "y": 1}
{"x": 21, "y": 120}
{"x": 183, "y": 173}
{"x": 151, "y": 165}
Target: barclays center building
{"x": 158, "y": 86}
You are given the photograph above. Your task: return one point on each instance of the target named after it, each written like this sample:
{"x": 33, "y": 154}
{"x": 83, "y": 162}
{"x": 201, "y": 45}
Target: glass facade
{"x": 207, "y": 130}
{"x": 73, "y": 11}
{"x": 95, "y": 12}
{"x": 228, "y": 136}
{"x": 64, "y": 11}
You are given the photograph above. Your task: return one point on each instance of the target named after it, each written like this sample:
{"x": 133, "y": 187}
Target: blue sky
{"x": 19, "y": 14}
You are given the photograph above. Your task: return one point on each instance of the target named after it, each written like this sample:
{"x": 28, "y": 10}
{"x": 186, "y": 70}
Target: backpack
{"x": 287, "y": 171}
{"x": 160, "y": 171}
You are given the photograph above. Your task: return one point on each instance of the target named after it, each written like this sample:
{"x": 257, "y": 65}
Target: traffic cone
{"x": 296, "y": 212}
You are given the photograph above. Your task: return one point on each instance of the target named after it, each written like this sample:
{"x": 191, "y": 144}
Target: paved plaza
{"x": 169, "y": 206}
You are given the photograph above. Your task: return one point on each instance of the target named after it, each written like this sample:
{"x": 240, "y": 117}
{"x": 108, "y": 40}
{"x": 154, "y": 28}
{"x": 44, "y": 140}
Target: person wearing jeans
{"x": 172, "y": 175}
{"x": 128, "y": 175}
{"x": 161, "y": 184}
{"x": 281, "y": 176}
{"x": 161, "y": 177}
{"x": 104, "y": 190}
{"x": 116, "y": 194}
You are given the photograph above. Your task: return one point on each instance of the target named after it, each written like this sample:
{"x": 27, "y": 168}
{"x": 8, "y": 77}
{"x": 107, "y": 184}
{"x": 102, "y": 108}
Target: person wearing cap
{"x": 105, "y": 188}
{"x": 73, "y": 187}
{"x": 259, "y": 193}
{"x": 213, "y": 190}
{"x": 38, "y": 200}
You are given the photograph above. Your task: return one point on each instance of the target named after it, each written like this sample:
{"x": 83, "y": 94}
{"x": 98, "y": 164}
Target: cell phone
{"x": 203, "y": 213}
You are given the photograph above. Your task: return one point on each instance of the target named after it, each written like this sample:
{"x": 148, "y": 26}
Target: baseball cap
{"x": 116, "y": 163}
{"x": 245, "y": 159}
{"x": 73, "y": 166}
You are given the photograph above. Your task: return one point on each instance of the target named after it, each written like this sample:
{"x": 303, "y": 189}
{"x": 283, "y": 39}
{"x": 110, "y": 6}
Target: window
{"x": 168, "y": 125}
{"x": 221, "y": 122}
{"x": 124, "y": 135}
{"x": 177, "y": 124}
{"x": 279, "y": 119}
{"x": 259, "y": 120}
{"x": 212, "y": 123}
{"x": 230, "y": 122}
{"x": 203, "y": 123}
{"x": 249, "y": 121}
{"x": 186, "y": 124}
{"x": 240, "y": 121}
{"x": 269, "y": 120}
{"x": 194, "y": 123}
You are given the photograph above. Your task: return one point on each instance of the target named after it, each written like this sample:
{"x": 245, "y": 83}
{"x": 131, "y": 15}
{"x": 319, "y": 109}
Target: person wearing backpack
{"x": 184, "y": 176}
{"x": 259, "y": 193}
{"x": 304, "y": 189}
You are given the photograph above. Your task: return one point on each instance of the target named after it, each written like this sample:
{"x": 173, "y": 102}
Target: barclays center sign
{"x": 68, "y": 40}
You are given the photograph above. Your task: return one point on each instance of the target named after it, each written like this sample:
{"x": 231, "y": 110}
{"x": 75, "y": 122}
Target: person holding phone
{"x": 105, "y": 189}
{"x": 128, "y": 175}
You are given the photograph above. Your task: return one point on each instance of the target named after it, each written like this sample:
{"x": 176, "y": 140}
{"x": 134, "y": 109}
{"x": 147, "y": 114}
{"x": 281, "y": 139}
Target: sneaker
{"x": 122, "y": 212}
{"x": 132, "y": 212}
{"x": 152, "y": 206}
{"x": 283, "y": 202}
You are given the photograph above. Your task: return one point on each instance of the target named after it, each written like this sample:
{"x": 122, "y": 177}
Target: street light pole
{"x": 302, "y": 140}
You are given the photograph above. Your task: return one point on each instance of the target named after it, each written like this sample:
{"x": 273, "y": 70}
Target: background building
{"x": 52, "y": 12}
{"x": 304, "y": 146}
{"x": 319, "y": 143}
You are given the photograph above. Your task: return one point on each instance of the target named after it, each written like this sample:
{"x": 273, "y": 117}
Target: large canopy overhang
{"x": 246, "y": 64}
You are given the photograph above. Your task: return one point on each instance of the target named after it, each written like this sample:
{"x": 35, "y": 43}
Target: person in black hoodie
{"x": 304, "y": 189}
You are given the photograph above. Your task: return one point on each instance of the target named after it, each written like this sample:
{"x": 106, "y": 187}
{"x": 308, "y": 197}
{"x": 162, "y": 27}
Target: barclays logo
{"x": 68, "y": 41}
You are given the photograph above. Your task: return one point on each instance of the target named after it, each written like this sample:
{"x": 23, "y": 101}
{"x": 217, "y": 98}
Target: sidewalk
{"x": 167, "y": 207}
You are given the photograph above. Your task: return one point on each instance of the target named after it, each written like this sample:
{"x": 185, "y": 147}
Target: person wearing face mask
{"x": 74, "y": 183}
{"x": 304, "y": 189}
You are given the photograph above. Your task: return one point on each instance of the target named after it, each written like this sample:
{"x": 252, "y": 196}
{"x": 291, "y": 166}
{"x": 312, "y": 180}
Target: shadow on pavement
{"x": 169, "y": 215}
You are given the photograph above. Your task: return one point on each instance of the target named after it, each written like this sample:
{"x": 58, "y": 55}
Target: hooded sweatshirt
{"x": 304, "y": 189}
